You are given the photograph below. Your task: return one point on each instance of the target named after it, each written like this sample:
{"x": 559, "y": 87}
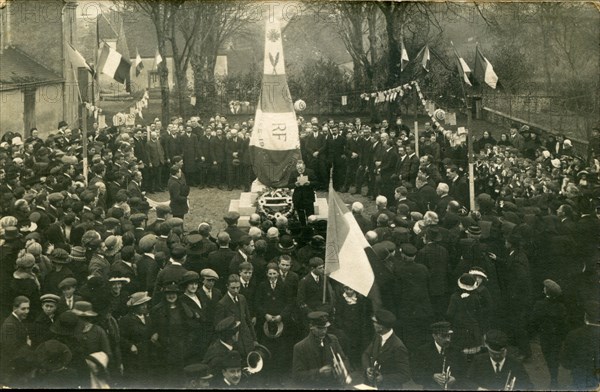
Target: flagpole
{"x": 328, "y": 223}
{"x": 470, "y": 157}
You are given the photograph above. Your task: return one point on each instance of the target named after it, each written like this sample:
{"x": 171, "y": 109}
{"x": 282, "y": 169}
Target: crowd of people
{"x": 95, "y": 292}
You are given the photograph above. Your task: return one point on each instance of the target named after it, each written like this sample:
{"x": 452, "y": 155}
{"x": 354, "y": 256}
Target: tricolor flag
{"x": 77, "y": 59}
{"x": 426, "y": 58}
{"x": 484, "y": 72}
{"x": 346, "y": 249}
{"x": 274, "y": 142}
{"x": 463, "y": 68}
{"x": 157, "y": 59}
{"x": 139, "y": 65}
{"x": 113, "y": 64}
{"x": 404, "y": 59}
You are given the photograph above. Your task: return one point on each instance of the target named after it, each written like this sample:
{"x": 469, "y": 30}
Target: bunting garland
{"x": 399, "y": 91}
{"x": 123, "y": 118}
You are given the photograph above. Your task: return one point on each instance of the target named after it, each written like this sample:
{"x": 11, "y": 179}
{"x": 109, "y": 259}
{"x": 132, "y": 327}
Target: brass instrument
{"x": 447, "y": 374}
{"x": 255, "y": 363}
{"x": 374, "y": 372}
{"x": 510, "y": 382}
{"x": 339, "y": 368}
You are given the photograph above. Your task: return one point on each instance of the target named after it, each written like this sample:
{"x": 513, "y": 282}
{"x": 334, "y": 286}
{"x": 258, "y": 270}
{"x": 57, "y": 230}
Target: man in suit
{"x": 156, "y": 161}
{"x": 315, "y": 153}
{"x": 312, "y": 363}
{"x": 431, "y": 361}
{"x": 387, "y": 168}
{"x": 491, "y": 370}
{"x": 235, "y": 304}
{"x": 303, "y": 182}
{"x": 13, "y": 337}
{"x": 218, "y": 158}
{"x": 178, "y": 193}
{"x": 219, "y": 259}
{"x": 402, "y": 169}
{"x": 385, "y": 360}
{"x": 364, "y": 155}
{"x": 230, "y": 375}
{"x": 458, "y": 187}
{"x": 289, "y": 278}
{"x": 235, "y": 233}
{"x": 335, "y": 146}
{"x": 353, "y": 149}
{"x": 204, "y": 154}
{"x": 227, "y": 335}
{"x": 363, "y": 222}
{"x": 581, "y": 346}
{"x": 426, "y": 196}
{"x": 233, "y": 150}
{"x": 190, "y": 151}
{"x": 310, "y": 287}
{"x": 209, "y": 295}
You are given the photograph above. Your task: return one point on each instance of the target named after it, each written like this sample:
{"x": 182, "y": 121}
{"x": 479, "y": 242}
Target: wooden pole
{"x": 417, "y": 138}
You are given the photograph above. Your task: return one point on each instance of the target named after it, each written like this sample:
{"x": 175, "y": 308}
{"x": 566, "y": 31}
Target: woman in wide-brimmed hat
{"x": 92, "y": 337}
{"x": 54, "y": 366}
{"x": 465, "y": 313}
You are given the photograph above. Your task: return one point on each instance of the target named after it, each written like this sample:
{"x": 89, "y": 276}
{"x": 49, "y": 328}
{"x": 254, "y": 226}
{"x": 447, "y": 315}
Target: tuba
{"x": 339, "y": 368}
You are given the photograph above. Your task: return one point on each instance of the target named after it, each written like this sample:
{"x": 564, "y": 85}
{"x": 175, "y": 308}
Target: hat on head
{"x": 25, "y": 261}
{"x": 286, "y": 243}
{"x": 29, "y": 228}
{"x": 49, "y": 298}
{"x": 496, "y": 340}
{"x": 227, "y": 324}
{"x": 174, "y": 222}
{"x": 35, "y": 217}
{"x": 441, "y": 327}
{"x": 555, "y": 163}
{"x": 273, "y": 232}
{"x": 178, "y": 251}
{"x": 53, "y": 355}
{"x": 408, "y": 249}
{"x": 232, "y": 359}
{"x": 189, "y": 277}
{"x": 381, "y": 251}
{"x": 385, "y": 318}
{"x": 55, "y": 197}
{"x": 111, "y": 222}
{"x": 231, "y": 217}
{"x": 114, "y": 243}
{"x": 84, "y": 309}
{"x": 118, "y": 277}
{"x": 319, "y": 319}
{"x": 77, "y": 253}
{"x": 66, "y": 324}
{"x": 467, "y": 282}
{"x": 59, "y": 256}
{"x": 474, "y": 230}
{"x": 478, "y": 271}
{"x": 163, "y": 209}
{"x": 62, "y": 123}
{"x": 198, "y": 370}
{"x": 433, "y": 233}
{"x": 552, "y": 288}
{"x": 194, "y": 239}
{"x": 147, "y": 242}
{"x": 67, "y": 282}
{"x": 209, "y": 273}
{"x": 11, "y": 233}
{"x": 139, "y": 298}
{"x": 137, "y": 218}
{"x": 317, "y": 241}
{"x": 172, "y": 287}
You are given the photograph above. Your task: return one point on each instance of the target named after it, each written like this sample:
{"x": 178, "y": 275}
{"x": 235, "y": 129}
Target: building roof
{"x": 18, "y": 69}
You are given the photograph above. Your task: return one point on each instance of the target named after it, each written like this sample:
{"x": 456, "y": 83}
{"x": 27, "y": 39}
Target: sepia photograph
{"x": 313, "y": 194}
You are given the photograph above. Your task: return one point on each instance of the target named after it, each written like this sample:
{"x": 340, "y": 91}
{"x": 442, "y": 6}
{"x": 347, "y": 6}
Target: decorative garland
{"x": 399, "y": 91}
{"x": 275, "y": 202}
{"x": 235, "y": 106}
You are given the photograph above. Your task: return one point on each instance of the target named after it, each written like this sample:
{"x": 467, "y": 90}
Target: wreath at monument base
{"x": 275, "y": 202}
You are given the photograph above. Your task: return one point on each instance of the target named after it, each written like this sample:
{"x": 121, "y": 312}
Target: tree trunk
{"x": 372, "y": 23}
{"x": 394, "y": 55}
{"x": 180, "y": 77}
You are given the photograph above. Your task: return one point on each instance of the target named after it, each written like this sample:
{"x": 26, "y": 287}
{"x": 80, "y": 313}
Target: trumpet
{"x": 339, "y": 368}
{"x": 510, "y": 382}
{"x": 447, "y": 374}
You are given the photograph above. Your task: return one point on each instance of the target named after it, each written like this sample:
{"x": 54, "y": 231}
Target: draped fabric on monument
{"x": 274, "y": 144}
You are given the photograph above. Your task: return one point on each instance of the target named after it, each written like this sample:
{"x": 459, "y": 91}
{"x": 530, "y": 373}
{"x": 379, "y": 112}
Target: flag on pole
{"x": 77, "y": 59}
{"x": 139, "y": 65}
{"x": 157, "y": 59}
{"x": 463, "y": 69}
{"x": 484, "y": 72}
{"x": 345, "y": 251}
{"x": 426, "y": 58}
{"x": 274, "y": 142}
{"x": 113, "y": 64}
{"x": 404, "y": 60}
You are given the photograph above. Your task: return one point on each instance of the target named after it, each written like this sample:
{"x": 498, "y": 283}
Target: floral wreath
{"x": 275, "y": 202}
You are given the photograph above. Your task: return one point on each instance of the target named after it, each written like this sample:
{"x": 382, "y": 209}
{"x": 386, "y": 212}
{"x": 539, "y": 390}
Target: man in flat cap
{"x": 581, "y": 351}
{"x": 549, "y": 318}
{"x": 227, "y": 335}
{"x": 385, "y": 360}
{"x": 438, "y": 364}
{"x": 235, "y": 233}
{"x": 491, "y": 370}
{"x": 40, "y": 329}
{"x": 313, "y": 358}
